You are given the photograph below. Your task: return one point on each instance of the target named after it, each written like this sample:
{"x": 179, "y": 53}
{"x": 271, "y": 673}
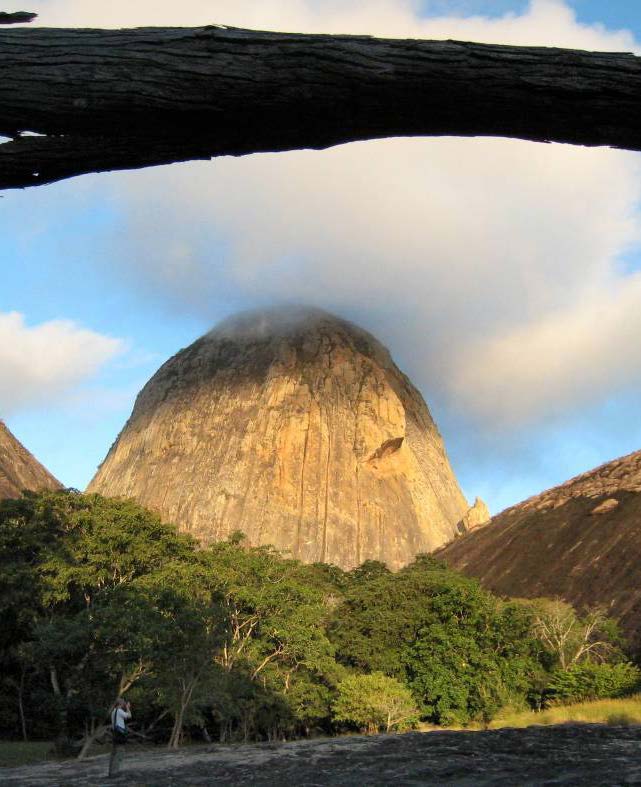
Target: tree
{"x": 277, "y": 612}
{"x": 190, "y": 628}
{"x": 94, "y": 656}
{"x": 274, "y": 616}
{"x": 23, "y": 542}
{"x": 122, "y": 99}
{"x": 100, "y": 598}
{"x": 383, "y": 613}
{"x": 570, "y": 639}
{"x": 459, "y": 649}
{"x": 375, "y": 702}
{"x": 70, "y": 567}
{"x": 471, "y": 659}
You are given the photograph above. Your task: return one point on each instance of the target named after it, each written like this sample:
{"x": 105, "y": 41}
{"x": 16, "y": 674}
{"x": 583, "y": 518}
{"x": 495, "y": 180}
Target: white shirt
{"x": 119, "y": 719}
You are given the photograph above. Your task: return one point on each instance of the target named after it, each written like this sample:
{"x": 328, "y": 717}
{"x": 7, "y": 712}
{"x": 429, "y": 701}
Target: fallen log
{"x": 122, "y": 99}
{"x": 16, "y": 17}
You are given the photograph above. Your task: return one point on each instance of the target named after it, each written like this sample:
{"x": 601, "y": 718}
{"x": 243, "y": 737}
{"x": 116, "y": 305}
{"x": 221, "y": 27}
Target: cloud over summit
{"x": 449, "y": 249}
{"x": 484, "y": 257}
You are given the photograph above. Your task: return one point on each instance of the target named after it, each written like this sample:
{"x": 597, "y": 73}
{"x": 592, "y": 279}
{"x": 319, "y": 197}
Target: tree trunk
{"x": 23, "y": 721}
{"x": 176, "y": 732}
{"x": 61, "y": 742}
{"x": 55, "y": 683}
{"x": 90, "y": 738}
{"x": 123, "y": 99}
{"x": 16, "y": 18}
{"x": 158, "y": 718}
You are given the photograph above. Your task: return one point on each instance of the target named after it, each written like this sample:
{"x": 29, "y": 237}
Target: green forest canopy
{"x": 99, "y": 598}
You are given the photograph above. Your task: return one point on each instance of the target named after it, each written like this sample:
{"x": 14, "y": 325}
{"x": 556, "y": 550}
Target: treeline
{"x": 98, "y": 598}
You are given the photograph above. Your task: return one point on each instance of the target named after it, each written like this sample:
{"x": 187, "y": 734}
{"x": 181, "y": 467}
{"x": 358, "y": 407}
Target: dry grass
{"x": 14, "y": 753}
{"x": 617, "y": 712}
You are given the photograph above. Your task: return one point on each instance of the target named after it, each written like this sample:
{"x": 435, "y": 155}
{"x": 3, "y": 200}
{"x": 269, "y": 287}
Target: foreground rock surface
{"x": 19, "y": 469}
{"x": 580, "y": 541}
{"x": 298, "y": 429}
{"x": 563, "y": 755}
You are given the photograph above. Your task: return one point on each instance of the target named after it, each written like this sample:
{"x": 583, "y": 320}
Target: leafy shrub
{"x": 375, "y": 702}
{"x": 593, "y": 681}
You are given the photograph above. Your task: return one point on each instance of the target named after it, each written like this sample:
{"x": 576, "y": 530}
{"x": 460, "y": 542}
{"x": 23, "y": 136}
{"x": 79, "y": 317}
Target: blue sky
{"x": 501, "y": 275}
{"x": 612, "y": 13}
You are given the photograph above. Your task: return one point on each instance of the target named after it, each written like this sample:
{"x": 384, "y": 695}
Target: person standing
{"x": 120, "y": 715}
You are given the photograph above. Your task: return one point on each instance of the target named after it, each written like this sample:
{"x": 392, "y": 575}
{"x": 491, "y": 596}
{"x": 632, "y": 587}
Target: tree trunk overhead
{"x": 122, "y": 99}
{"x": 16, "y": 17}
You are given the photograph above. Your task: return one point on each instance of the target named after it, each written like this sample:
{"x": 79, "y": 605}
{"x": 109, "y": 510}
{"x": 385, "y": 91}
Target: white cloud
{"x": 41, "y": 363}
{"x": 444, "y": 248}
{"x": 494, "y": 266}
{"x": 568, "y": 359}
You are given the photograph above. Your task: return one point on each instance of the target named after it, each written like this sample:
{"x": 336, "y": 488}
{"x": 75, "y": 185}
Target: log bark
{"x": 16, "y": 17}
{"x": 123, "y": 99}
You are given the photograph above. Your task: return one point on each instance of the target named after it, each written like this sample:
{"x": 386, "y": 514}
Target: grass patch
{"x": 14, "y": 753}
{"x": 624, "y": 711}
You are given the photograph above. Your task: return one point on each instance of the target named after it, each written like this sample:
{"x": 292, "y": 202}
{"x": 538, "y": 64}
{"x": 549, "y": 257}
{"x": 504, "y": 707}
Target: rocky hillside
{"x": 580, "y": 541}
{"x": 298, "y": 429}
{"x": 19, "y": 469}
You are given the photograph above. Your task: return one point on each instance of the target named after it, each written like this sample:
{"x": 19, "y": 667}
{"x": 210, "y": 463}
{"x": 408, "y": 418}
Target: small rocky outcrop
{"x": 298, "y": 429}
{"x": 580, "y": 541}
{"x": 20, "y": 470}
{"x": 476, "y": 516}
{"x": 607, "y": 505}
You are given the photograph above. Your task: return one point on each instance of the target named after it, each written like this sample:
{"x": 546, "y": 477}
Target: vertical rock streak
{"x": 323, "y": 556}
{"x": 302, "y": 486}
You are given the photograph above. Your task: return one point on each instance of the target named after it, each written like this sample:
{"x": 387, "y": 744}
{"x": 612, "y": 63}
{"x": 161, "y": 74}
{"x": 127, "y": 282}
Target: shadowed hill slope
{"x": 580, "y": 541}
{"x": 19, "y": 469}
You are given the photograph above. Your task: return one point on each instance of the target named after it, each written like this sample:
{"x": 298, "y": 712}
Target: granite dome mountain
{"x": 19, "y": 469}
{"x": 296, "y": 428}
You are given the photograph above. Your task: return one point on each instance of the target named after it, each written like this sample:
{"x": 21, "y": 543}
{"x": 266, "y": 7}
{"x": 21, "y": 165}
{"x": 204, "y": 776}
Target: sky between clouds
{"x": 505, "y": 276}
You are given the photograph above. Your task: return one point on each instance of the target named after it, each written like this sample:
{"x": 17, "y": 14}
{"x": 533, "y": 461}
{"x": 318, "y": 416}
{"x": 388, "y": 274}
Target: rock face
{"x": 580, "y": 541}
{"x": 476, "y": 516}
{"x": 562, "y": 754}
{"x": 20, "y": 470}
{"x": 298, "y": 429}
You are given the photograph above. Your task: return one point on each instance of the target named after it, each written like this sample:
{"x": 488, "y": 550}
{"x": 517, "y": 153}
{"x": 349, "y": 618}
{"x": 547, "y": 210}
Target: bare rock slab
{"x": 561, "y": 755}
